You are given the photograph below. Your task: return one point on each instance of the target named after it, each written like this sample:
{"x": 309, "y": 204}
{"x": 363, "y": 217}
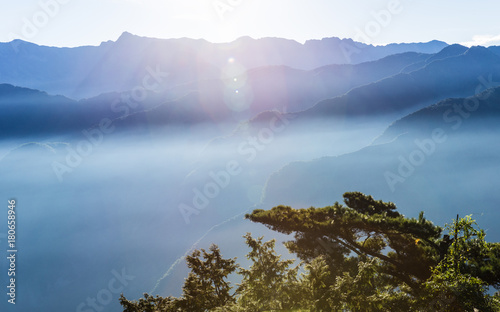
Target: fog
{"x": 113, "y": 190}
{"x": 455, "y": 174}
{"x": 136, "y": 199}
{"x": 132, "y": 201}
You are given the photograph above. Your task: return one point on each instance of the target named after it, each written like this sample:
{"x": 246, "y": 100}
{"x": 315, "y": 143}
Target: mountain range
{"x": 441, "y": 158}
{"x": 141, "y": 149}
{"x": 350, "y": 90}
{"x": 88, "y": 71}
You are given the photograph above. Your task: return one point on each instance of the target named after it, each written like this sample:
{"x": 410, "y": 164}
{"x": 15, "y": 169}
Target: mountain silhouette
{"x": 209, "y": 101}
{"x": 429, "y": 159}
{"x": 455, "y": 76}
{"x": 125, "y": 64}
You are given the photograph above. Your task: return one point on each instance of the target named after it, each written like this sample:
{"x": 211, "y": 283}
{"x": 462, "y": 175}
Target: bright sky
{"x": 89, "y": 22}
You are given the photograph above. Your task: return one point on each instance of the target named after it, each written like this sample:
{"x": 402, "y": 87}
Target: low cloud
{"x": 483, "y": 40}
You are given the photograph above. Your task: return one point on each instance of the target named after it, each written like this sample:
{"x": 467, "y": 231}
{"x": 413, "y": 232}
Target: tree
{"x": 380, "y": 260}
{"x": 149, "y": 304}
{"x": 406, "y": 248}
{"x": 315, "y": 285}
{"x": 206, "y": 286}
{"x": 364, "y": 256}
{"x": 460, "y": 281}
{"x": 270, "y": 283}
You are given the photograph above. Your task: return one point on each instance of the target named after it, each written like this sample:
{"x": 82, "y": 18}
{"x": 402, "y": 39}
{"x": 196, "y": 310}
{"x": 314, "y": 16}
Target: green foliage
{"x": 471, "y": 254}
{"x": 315, "y": 285}
{"x": 149, "y": 304}
{"x": 456, "y": 283}
{"x": 364, "y": 256}
{"x": 406, "y": 247}
{"x": 368, "y": 290}
{"x": 379, "y": 260}
{"x": 270, "y": 283}
{"x": 206, "y": 286}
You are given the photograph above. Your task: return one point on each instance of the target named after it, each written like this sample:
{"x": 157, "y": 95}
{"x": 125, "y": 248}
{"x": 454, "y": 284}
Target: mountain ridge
{"x": 453, "y": 152}
{"x": 87, "y": 71}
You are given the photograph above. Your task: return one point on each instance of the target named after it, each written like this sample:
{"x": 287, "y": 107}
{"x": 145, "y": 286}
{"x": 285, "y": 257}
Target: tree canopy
{"x": 361, "y": 256}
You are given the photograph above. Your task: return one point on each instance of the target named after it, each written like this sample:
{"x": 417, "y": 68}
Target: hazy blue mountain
{"x": 449, "y": 51}
{"x": 221, "y": 102}
{"x": 27, "y": 112}
{"x": 130, "y": 62}
{"x": 441, "y": 159}
{"x": 495, "y": 49}
{"x": 138, "y": 62}
{"x": 316, "y": 53}
{"x": 277, "y": 124}
{"x": 454, "y": 76}
{"x": 339, "y": 126}
{"x": 353, "y": 120}
{"x": 375, "y": 52}
{"x": 367, "y": 110}
{"x": 245, "y": 94}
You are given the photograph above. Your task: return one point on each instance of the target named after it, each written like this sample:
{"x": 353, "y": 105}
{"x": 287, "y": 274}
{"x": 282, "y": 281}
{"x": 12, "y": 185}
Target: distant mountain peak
{"x": 16, "y": 41}
{"x": 326, "y": 39}
{"x": 478, "y": 48}
{"x": 480, "y": 52}
{"x": 455, "y": 47}
{"x": 126, "y": 36}
{"x": 449, "y": 51}
{"x": 439, "y": 42}
{"x": 244, "y": 38}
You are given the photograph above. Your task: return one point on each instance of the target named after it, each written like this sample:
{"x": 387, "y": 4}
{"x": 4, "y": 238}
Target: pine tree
{"x": 206, "y": 286}
{"x": 406, "y": 248}
{"x": 270, "y": 283}
{"x": 364, "y": 256}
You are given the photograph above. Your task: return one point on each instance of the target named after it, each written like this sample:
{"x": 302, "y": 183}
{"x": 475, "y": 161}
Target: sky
{"x": 69, "y": 23}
